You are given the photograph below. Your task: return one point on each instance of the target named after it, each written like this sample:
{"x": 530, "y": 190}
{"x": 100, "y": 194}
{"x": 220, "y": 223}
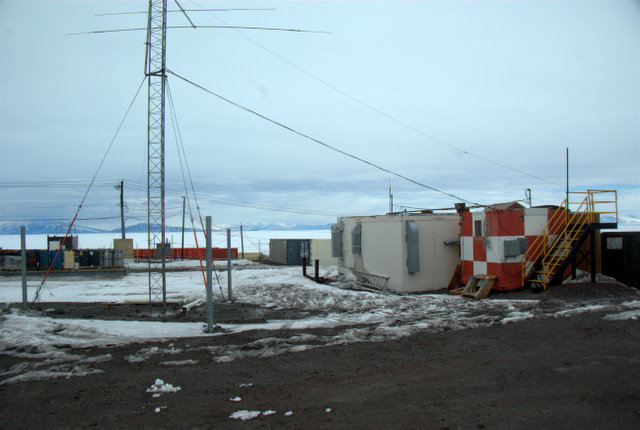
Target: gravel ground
{"x": 578, "y": 371}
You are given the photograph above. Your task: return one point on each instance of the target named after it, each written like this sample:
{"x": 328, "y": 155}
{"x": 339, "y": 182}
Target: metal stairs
{"x": 560, "y": 243}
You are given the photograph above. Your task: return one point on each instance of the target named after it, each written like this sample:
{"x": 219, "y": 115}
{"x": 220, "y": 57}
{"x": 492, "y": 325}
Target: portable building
{"x": 69, "y": 243}
{"x": 289, "y": 251}
{"x": 493, "y": 241}
{"x": 403, "y": 252}
{"x": 124, "y": 245}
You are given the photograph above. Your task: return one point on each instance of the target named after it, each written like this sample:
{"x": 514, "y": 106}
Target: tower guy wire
{"x": 36, "y": 297}
{"x": 319, "y": 142}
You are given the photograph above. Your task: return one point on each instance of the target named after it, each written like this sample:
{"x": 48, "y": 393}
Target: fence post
{"x": 229, "y": 265}
{"x": 23, "y": 256}
{"x": 209, "y": 276}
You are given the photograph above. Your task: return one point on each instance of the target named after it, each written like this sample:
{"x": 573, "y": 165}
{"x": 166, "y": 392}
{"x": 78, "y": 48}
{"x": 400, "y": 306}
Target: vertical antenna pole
{"x": 567, "y": 169}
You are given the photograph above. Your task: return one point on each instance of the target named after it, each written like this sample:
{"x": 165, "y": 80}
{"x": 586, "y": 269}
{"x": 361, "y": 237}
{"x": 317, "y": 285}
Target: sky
{"x": 479, "y": 100}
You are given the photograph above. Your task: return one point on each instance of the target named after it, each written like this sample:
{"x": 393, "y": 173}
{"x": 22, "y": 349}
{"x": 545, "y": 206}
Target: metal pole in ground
{"x": 23, "y": 256}
{"x": 209, "y": 277}
{"x": 230, "y": 294}
{"x": 183, "y": 206}
{"x": 242, "y": 241}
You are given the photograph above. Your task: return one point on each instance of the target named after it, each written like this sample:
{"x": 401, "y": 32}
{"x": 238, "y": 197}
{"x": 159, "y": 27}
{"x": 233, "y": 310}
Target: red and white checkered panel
{"x": 484, "y": 254}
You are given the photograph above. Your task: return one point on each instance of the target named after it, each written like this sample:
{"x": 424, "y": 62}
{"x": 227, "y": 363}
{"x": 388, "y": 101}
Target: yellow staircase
{"x": 578, "y": 219}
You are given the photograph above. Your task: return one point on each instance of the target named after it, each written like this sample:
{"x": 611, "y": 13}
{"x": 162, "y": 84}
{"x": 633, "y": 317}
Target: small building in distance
{"x": 292, "y": 251}
{"x": 124, "y": 245}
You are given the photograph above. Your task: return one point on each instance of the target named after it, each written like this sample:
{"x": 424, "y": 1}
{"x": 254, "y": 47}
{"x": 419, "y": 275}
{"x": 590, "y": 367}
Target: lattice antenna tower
{"x": 156, "y": 72}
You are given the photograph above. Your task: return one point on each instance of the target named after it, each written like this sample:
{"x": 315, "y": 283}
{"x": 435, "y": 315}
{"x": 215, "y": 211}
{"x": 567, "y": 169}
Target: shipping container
{"x": 56, "y": 259}
{"x": 621, "y": 256}
{"x": 289, "y": 251}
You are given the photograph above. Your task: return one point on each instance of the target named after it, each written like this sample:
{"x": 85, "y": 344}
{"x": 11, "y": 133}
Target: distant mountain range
{"x": 41, "y": 227}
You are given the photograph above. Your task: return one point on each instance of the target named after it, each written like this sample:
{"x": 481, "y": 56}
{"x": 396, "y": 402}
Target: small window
{"x": 614, "y": 243}
{"x": 477, "y": 226}
{"x": 515, "y": 247}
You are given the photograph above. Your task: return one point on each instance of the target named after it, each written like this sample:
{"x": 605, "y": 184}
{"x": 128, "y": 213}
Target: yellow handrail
{"x": 573, "y": 216}
{"x": 539, "y": 244}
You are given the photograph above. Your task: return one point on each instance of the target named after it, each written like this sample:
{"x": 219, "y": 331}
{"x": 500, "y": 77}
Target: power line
{"x": 104, "y": 157}
{"x": 57, "y": 184}
{"x": 380, "y": 112}
{"x": 60, "y": 219}
{"x": 326, "y": 145}
{"x": 244, "y": 203}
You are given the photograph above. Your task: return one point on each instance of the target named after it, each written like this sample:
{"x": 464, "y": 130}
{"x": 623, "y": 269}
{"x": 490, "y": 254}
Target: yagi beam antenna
{"x": 236, "y": 27}
{"x": 185, "y": 10}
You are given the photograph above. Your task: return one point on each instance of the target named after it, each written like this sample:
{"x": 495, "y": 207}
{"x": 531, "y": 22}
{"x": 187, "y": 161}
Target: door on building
{"x": 298, "y": 249}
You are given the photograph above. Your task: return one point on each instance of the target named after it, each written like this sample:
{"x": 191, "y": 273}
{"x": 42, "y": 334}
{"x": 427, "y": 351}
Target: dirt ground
{"x": 549, "y": 373}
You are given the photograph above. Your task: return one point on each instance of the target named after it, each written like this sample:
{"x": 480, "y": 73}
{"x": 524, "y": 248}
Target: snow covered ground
{"x": 355, "y": 316}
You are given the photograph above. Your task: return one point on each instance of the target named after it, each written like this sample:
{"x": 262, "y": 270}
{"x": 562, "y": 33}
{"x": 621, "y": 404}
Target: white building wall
{"x": 535, "y": 219}
{"x": 384, "y": 249}
{"x": 321, "y": 250}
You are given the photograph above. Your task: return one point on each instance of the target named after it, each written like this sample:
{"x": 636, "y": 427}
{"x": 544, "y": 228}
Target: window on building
{"x": 477, "y": 225}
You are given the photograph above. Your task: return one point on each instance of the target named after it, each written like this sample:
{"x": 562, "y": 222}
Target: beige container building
{"x": 124, "y": 245}
{"x": 404, "y": 252}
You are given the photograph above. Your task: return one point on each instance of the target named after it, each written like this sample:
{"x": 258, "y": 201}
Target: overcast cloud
{"x": 430, "y": 90}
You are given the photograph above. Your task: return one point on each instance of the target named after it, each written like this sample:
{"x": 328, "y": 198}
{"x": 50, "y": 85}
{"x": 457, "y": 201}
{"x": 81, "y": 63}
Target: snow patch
{"x": 245, "y": 415}
{"x": 517, "y": 316}
{"x": 580, "y": 310}
{"x": 63, "y": 371}
{"x": 583, "y": 276}
{"x": 178, "y": 363}
{"x": 161, "y": 387}
{"x": 145, "y": 353}
{"x": 626, "y": 315}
